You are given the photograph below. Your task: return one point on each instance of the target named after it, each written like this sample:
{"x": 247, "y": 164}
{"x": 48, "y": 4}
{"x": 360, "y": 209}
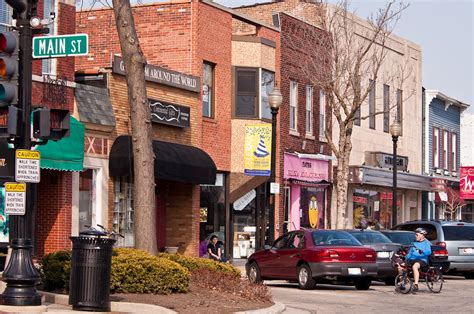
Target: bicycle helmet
{"x": 421, "y": 230}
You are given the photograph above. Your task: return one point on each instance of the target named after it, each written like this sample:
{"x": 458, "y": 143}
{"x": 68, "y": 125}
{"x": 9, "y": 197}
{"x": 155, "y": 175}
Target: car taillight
{"x": 439, "y": 253}
{"x": 329, "y": 254}
{"x": 443, "y": 244}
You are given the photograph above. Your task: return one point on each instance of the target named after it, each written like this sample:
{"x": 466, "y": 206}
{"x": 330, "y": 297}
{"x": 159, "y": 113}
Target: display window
{"x": 312, "y": 207}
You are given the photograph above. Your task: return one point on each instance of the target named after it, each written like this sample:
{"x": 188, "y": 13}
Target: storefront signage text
{"x": 305, "y": 169}
{"x": 163, "y": 76}
{"x": 170, "y": 114}
{"x": 466, "y": 183}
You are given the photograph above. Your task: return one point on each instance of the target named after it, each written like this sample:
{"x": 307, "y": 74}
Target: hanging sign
{"x": 27, "y": 166}
{"x": 257, "y": 153}
{"x": 15, "y": 198}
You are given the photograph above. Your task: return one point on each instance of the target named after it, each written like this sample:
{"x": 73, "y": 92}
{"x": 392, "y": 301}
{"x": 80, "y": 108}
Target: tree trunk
{"x": 342, "y": 177}
{"x": 143, "y": 155}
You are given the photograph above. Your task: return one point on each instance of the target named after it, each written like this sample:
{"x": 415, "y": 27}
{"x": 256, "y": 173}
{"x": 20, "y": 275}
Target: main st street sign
{"x": 60, "y": 46}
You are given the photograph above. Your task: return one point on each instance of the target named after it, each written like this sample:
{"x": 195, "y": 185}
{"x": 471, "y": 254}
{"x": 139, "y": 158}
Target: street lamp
{"x": 274, "y": 99}
{"x": 395, "y": 131}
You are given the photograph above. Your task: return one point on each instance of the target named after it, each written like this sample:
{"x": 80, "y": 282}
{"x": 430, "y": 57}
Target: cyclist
{"x": 418, "y": 255}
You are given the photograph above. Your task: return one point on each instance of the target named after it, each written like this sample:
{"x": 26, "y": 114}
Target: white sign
{"x": 376, "y": 206}
{"x": 244, "y": 200}
{"x": 274, "y": 188}
{"x": 15, "y": 198}
{"x": 27, "y": 166}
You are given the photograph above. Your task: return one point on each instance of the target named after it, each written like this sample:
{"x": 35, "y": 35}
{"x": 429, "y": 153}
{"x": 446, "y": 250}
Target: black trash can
{"x": 91, "y": 263}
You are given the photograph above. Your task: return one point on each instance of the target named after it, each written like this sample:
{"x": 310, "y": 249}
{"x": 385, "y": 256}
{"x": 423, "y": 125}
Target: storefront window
{"x": 245, "y": 227}
{"x": 123, "y": 211}
{"x": 467, "y": 213}
{"x": 86, "y": 199}
{"x": 212, "y": 213}
{"x": 373, "y": 209}
{"x": 312, "y": 205}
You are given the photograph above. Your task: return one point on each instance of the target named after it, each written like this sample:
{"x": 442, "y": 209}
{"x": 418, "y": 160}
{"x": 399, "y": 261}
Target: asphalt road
{"x": 455, "y": 297}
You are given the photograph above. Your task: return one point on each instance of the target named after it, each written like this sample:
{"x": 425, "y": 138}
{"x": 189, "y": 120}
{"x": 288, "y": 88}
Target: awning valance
{"x": 173, "y": 162}
{"x": 66, "y": 154}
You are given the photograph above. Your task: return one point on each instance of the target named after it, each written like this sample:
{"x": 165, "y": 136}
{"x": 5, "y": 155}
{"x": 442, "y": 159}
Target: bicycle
{"x": 431, "y": 274}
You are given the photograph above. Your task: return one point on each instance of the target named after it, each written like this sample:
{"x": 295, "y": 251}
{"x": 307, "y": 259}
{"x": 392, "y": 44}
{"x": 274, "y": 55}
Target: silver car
{"x": 457, "y": 237}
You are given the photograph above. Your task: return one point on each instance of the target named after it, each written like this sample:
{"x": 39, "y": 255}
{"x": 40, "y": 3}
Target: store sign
{"x": 257, "y": 152}
{"x": 27, "y": 166}
{"x": 242, "y": 202}
{"x": 359, "y": 199}
{"x": 163, "y": 76}
{"x": 15, "y": 198}
{"x": 168, "y": 113}
{"x": 466, "y": 183}
{"x": 305, "y": 169}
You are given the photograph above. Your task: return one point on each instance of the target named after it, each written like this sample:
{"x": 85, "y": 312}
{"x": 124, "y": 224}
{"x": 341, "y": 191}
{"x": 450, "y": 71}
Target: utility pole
{"x": 20, "y": 274}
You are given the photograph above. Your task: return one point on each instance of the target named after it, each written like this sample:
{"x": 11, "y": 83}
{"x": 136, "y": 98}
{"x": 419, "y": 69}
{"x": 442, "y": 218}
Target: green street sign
{"x": 60, "y": 46}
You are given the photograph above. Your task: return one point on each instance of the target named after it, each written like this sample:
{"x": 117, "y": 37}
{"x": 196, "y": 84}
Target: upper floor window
{"x": 454, "y": 161}
{"x": 208, "y": 90}
{"x": 435, "y": 145}
{"x": 309, "y": 110}
{"x": 445, "y": 149}
{"x": 372, "y": 104}
{"x": 49, "y": 65}
{"x": 5, "y": 15}
{"x": 399, "y": 116}
{"x": 322, "y": 113}
{"x": 267, "y": 84}
{"x": 386, "y": 108}
{"x": 293, "y": 105}
{"x": 246, "y": 92}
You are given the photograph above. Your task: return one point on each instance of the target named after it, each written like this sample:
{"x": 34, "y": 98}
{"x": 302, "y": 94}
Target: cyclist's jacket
{"x": 420, "y": 251}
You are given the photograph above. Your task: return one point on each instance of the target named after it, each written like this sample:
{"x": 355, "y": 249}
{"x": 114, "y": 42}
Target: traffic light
{"x": 9, "y": 121}
{"x": 8, "y": 68}
{"x": 51, "y": 124}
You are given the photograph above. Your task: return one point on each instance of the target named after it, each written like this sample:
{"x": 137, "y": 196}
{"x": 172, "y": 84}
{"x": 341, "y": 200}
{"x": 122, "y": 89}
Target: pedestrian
{"x": 203, "y": 247}
{"x": 214, "y": 249}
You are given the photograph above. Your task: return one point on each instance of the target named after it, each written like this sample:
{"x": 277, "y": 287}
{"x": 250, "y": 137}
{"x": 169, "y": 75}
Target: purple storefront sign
{"x": 305, "y": 169}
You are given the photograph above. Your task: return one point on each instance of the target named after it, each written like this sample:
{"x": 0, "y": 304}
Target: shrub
{"x": 135, "y": 271}
{"x": 195, "y": 263}
{"x": 54, "y": 271}
{"x": 226, "y": 282}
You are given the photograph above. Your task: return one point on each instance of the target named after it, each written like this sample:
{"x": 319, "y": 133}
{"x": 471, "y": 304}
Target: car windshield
{"x": 371, "y": 237}
{"x": 321, "y": 238}
{"x": 405, "y": 238}
{"x": 458, "y": 233}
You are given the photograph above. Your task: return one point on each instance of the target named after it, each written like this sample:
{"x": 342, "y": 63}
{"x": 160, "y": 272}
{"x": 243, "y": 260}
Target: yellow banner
{"x": 15, "y": 187}
{"x": 27, "y": 154}
{"x": 258, "y": 145}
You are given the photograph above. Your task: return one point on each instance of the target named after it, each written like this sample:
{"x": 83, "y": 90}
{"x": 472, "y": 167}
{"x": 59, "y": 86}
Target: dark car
{"x": 456, "y": 237}
{"x": 439, "y": 254}
{"x": 384, "y": 248}
{"x": 311, "y": 256}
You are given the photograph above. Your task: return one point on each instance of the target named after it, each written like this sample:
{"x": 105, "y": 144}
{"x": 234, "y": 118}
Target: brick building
{"x": 192, "y": 40}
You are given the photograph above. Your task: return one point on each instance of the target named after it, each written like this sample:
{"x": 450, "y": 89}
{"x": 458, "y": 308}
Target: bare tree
{"x": 351, "y": 53}
{"x": 452, "y": 205}
{"x": 143, "y": 155}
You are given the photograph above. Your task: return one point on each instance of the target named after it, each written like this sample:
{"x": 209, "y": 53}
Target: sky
{"x": 445, "y": 31}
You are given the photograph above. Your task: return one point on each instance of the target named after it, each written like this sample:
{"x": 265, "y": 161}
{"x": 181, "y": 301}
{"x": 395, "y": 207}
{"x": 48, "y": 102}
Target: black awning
{"x": 173, "y": 162}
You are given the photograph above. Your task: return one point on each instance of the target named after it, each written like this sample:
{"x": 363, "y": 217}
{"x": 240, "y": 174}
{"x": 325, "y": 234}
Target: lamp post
{"x": 395, "y": 131}
{"x": 274, "y": 99}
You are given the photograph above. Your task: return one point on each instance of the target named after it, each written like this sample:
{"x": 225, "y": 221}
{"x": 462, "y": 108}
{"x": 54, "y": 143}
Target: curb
{"x": 274, "y": 309}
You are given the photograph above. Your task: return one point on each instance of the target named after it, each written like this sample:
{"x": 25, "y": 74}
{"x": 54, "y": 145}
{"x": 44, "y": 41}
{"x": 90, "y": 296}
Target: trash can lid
{"x": 93, "y": 233}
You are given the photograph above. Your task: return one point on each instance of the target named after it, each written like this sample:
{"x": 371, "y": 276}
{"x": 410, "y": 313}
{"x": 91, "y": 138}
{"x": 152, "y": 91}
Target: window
{"x": 445, "y": 149}
{"x": 267, "y": 84}
{"x": 293, "y": 105}
{"x": 5, "y": 15}
{"x": 400, "y": 108}
{"x": 357, "y": 117}
{"x": 435, "y": 145}
{"x": 322, "y": 113}
{"x": 309, "y": 110}
{"x": 123, "y": 211}
{"x": 372, "y": 104}
{"x": 49, "y": 65}
{"x": 246, "y": 101}
{"x": 454, "y": 160}
{"x": 386, "y": 108}
{"x": 86, "y": 199}
{"x": 208, "y": 90}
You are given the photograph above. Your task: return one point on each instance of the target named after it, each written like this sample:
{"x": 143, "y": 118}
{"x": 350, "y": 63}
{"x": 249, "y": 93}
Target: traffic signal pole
{"x": 20, "y": 274}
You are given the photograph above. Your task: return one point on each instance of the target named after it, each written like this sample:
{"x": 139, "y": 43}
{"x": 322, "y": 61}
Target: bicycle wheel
{"x": 434, "y": 280}
{"x": 403, "y": 283}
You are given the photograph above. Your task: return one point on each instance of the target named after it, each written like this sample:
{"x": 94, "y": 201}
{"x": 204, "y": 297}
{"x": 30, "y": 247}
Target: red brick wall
{"x": 53, "y": 215}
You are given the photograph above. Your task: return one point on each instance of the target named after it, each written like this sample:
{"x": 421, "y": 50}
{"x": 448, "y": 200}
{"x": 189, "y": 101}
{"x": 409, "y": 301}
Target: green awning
{"x": 66, "y": 154}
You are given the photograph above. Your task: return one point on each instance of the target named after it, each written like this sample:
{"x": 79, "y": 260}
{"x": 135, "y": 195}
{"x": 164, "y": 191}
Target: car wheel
{"x": 363, "y": 283}
{"x": 254, "y": 273}
{"x": 469, "y": 275}
{"x": 305, "y": 278}
{"x": 389, "y": 281}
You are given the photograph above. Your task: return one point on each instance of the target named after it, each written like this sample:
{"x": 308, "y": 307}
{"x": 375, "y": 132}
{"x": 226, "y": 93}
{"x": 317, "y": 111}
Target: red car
{"x": 315, "y": 256}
